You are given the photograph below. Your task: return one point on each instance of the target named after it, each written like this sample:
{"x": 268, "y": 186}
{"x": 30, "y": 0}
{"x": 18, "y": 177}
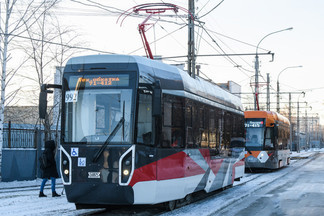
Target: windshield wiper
{"x": 110, "y": 137}
{"x": 248, "y": 149}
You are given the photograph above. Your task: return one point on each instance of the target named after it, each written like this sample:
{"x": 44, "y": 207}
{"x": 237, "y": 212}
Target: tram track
{"x": 26, "y": 188}
{"x": 159, "y": 209}
{"x": 223, "y": 198}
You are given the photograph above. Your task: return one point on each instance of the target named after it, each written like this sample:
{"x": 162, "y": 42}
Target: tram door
{"x": 146, "y": 150}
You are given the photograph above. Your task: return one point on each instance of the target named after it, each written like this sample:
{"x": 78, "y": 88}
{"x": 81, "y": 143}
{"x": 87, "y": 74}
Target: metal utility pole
{"x": 298, "y": 135}
{"x": 191, "y": 40}
{"x": 256, "y": 96}
{"x": 290, "y": 136}
{"x": 268, "y": 92}
{"x": 278, "y": 90}
{"x": 306, "y": 129}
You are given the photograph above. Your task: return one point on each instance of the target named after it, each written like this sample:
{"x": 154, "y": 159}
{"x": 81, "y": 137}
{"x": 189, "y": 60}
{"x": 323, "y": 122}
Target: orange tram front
{"x": 267, "y": 140}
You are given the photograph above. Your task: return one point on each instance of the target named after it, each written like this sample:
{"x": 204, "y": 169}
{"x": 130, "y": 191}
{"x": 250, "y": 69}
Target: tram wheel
{"x": 188, "y": 199}
{"x": 171, "y": 205}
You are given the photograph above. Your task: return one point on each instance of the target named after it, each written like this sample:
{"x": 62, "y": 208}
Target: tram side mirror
{"x": 157, "y": 97}
{"x": 42, "y": 106}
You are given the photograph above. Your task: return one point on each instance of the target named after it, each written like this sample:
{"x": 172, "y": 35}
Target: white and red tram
{"x": 138, "y": 131}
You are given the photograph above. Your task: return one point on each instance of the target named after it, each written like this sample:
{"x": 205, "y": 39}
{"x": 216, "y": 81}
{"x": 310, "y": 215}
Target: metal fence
{"x": 21, "y": 149}
{"x": 25, "y": 138}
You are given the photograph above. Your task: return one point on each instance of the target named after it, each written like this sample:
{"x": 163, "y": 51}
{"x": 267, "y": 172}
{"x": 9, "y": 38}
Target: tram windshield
{"x": 254, "y": 133}
{"x": 94, "y": 106}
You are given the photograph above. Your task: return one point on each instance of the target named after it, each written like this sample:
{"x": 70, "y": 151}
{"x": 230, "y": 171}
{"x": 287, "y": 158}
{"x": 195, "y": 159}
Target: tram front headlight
{"x": 66, "y": 172}
{"x": 126, "y": 172}
{"x": 126, "y": 167}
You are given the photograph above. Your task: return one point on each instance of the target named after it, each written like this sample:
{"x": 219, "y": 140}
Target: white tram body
{"x": 145, "y": 132}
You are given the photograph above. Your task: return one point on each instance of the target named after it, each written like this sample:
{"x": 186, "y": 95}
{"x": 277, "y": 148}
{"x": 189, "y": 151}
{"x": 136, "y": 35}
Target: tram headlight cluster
{"x": 126, "y": 167}
{"x": 65, "y": 167}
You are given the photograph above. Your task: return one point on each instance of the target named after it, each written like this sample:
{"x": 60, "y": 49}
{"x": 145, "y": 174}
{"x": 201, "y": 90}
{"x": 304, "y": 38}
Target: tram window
{"x": 212, "y": 129}
{"x": 220, "y": 130}
{"x": 195, "y": 127}
{"x": 211, "y": 119}
{"x": 212, "y": 138}
{"x": 167, "y": 107}
{"x": 144, "y": 119}
{"x": 189, "y": 137}
{"x": 201, "y": 118}
{"x": 173, "y": 122}
{"x": 188, "y": 115}
{"x": 204, "y": 139}
{"x": 269, "y": 139}
{"x": 227, "y": 131}
{"x": 177, "y": 115}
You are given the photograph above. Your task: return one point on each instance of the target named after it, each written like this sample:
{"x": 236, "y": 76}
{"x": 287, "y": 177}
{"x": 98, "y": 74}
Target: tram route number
{"x": 71, "y": 96}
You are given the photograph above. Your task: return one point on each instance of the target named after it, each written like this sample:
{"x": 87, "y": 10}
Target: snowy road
{"x": 299, "y": 193}
{"x": 21, "y": 198}
{"x": 303, "y": 179}
{"x": 267, "y": 194}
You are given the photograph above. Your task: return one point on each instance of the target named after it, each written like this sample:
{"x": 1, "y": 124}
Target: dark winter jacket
{"x": 50, "y": 170}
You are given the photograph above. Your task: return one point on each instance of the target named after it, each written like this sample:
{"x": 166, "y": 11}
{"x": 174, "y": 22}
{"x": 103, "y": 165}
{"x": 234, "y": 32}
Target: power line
{"x": 59, "y": 44}
{"x": 231, "y": 38}
{"x": 161, "y": 38}
{"x": 211, "y": 9}
{"x": 227, "y": 56}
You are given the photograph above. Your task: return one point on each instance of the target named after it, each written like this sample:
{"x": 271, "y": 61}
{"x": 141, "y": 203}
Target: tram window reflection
{"x": 144, "y": 121}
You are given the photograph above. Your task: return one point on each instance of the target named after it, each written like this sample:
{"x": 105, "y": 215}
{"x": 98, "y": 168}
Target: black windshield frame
{"x": 132, "y": 85}
{"x": 255, "y": 129}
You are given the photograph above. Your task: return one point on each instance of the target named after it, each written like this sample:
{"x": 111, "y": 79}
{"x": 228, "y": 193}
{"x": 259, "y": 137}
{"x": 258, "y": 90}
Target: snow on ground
{"x": 248, "y": 185}
{"x": 21, "y": 197}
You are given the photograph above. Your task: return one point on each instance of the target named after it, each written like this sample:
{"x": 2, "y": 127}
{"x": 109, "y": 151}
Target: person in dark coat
{"x": 50, "y": 171}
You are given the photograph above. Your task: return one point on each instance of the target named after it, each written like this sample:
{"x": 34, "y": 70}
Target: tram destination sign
{"x": 254, "y": 123}
{"x": 93, "y": 81}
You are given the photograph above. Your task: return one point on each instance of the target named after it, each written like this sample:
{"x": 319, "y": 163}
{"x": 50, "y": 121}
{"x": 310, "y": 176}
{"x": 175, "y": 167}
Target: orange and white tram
{"x": 138, "y": 131}
{"x": 267, "y": 140}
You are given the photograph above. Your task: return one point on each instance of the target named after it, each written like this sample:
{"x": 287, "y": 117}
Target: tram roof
{"x": 171, "y": 77}
{"x": 269, "y": 115}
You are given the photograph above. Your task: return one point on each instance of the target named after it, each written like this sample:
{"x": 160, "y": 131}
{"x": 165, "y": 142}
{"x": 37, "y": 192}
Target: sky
{"x": 237, "y": 27}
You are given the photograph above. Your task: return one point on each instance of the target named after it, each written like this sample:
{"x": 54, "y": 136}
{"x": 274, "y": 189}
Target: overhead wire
{"x": 234, "y": 52}
{"x": 226, "y": 56}
{"x": 211, "y": 10}
{"x": 160, "y": 38}
{"x": 203, "y": 6}
{"x": 60, "y": 44}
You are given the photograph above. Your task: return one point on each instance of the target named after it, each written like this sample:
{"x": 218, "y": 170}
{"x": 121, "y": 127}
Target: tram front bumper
{"x": 99, "y": 194}
{"x": 252, "y": 162}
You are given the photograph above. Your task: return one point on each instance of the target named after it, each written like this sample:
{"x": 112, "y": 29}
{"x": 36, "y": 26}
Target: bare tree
{"x": 13, "y": 25}
{"x": 46, "y": 48}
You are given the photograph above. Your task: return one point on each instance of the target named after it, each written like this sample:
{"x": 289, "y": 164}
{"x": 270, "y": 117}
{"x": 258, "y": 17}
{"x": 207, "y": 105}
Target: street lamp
{"x": 298, "y": 135}
{"x": 278, "y": 91}
{"x": 306, "y": 127}
{"x": 256, "y": 98}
